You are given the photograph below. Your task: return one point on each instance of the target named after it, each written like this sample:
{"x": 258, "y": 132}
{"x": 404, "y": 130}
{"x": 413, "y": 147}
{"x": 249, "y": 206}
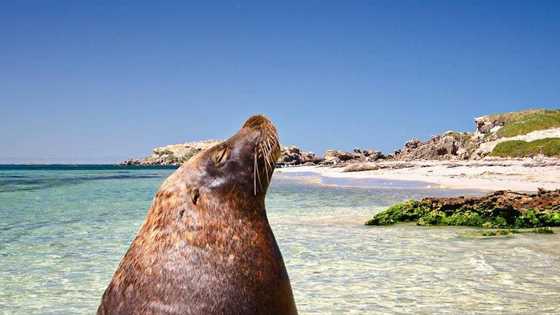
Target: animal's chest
{"x": 214, "y": 280}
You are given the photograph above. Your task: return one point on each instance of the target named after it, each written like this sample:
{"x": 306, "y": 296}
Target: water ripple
{"x": 60, "y": 246}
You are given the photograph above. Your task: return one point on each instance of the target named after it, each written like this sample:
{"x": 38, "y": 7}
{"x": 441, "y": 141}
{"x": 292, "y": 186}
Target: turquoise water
{"x": 64, "y": 230}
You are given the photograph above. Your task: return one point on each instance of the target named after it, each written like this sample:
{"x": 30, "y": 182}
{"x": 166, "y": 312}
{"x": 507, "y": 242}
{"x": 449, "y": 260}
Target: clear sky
{"x": 100, "y": 81}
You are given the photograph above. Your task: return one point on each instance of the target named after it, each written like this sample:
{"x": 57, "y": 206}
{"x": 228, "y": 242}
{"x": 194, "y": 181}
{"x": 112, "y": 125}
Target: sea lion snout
{"x": 268, "y": 142}
{"x": 265, "y": 152}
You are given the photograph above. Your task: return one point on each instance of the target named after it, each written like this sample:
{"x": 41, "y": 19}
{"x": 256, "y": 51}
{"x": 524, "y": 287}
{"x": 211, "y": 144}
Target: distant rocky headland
{"x": 173, "y": 154}
{"x": 528, "y": 133}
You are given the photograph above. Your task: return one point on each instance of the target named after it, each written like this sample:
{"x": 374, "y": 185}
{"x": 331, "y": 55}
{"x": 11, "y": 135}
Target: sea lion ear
{"x": 195, "y": 194}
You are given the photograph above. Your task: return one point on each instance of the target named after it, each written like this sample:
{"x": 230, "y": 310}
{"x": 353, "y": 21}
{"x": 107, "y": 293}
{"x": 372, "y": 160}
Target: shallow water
{"x": 64, "y": 230}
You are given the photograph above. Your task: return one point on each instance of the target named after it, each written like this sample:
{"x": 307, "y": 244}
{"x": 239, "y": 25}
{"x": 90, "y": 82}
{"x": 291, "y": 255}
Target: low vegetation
{"x": 517, "y": 148}
{"x": 520, "y": 123}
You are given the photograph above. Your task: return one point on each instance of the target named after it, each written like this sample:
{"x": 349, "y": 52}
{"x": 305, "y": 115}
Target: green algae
{"x": 491, "y": 233}
{"x": 426, "y": 213}
{"x": 408, "y": 211}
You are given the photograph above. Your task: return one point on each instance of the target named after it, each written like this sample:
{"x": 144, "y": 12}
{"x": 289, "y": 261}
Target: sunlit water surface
{"x": 64, "y": 229}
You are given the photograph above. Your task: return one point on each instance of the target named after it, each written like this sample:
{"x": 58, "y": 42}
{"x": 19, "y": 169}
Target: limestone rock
{"x": 487, "y": 124}
{"x": 341, "y": 158}
{"x": 174, "y": 154}
{"x": 448, "y": 146}
{"x": 292, "y": 156}
{"x": 500, "y": 209}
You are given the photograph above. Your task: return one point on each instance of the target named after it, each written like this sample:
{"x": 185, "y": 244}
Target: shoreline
{"x": 524, "y": 175}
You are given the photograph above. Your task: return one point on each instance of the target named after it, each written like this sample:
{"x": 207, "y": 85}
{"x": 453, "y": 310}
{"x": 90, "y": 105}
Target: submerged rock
{"x": 374, "y": 166}
{"x": 500, "y": 209}
{"x": 485, "y": 233}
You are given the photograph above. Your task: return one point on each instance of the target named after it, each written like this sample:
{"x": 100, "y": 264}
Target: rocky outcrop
{"x": 490, "y": 131}
{"x": 500, "y": 209}
{"x": 487, "y": 124}
{"x": 449, "y": 146}
{"x": 293, "y": 156}
{"x": 341, "y": 158}
{"x": 490, "y": 124}
{"x": 175, "y": 154}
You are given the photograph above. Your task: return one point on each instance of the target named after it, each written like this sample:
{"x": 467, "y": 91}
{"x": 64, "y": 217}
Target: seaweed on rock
{"x": 501, "y": 209}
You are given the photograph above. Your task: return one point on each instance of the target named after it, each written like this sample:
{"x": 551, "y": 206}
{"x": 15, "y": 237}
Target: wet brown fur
{"x": 206, "y": 246}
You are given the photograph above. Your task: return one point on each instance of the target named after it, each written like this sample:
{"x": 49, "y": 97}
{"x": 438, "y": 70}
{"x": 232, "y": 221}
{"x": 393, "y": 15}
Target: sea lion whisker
{"x": 258, "y": 172}
{"x": 255, "y": 166}
{"x": 267, "y": 157}
{"x": 266, "y": 171}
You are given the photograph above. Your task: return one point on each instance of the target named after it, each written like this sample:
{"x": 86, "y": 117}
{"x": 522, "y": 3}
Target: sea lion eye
{"x": 220, "y": 156}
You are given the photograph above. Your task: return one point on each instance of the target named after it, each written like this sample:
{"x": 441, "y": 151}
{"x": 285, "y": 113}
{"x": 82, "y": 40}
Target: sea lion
{"x": 206, "y": 246}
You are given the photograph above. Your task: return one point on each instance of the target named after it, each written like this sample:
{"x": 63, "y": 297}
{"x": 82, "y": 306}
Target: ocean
{"x": 64, "y": 229}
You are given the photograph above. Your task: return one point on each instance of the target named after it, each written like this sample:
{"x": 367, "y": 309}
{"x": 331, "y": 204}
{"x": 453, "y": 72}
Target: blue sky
{"x": 93, "y": 81}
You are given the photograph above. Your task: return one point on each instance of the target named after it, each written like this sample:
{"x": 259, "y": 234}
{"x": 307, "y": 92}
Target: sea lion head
{"x": 238, "y": 169}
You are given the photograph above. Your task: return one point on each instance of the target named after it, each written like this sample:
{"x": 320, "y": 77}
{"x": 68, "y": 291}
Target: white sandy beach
{"x": 495, "y": 174}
